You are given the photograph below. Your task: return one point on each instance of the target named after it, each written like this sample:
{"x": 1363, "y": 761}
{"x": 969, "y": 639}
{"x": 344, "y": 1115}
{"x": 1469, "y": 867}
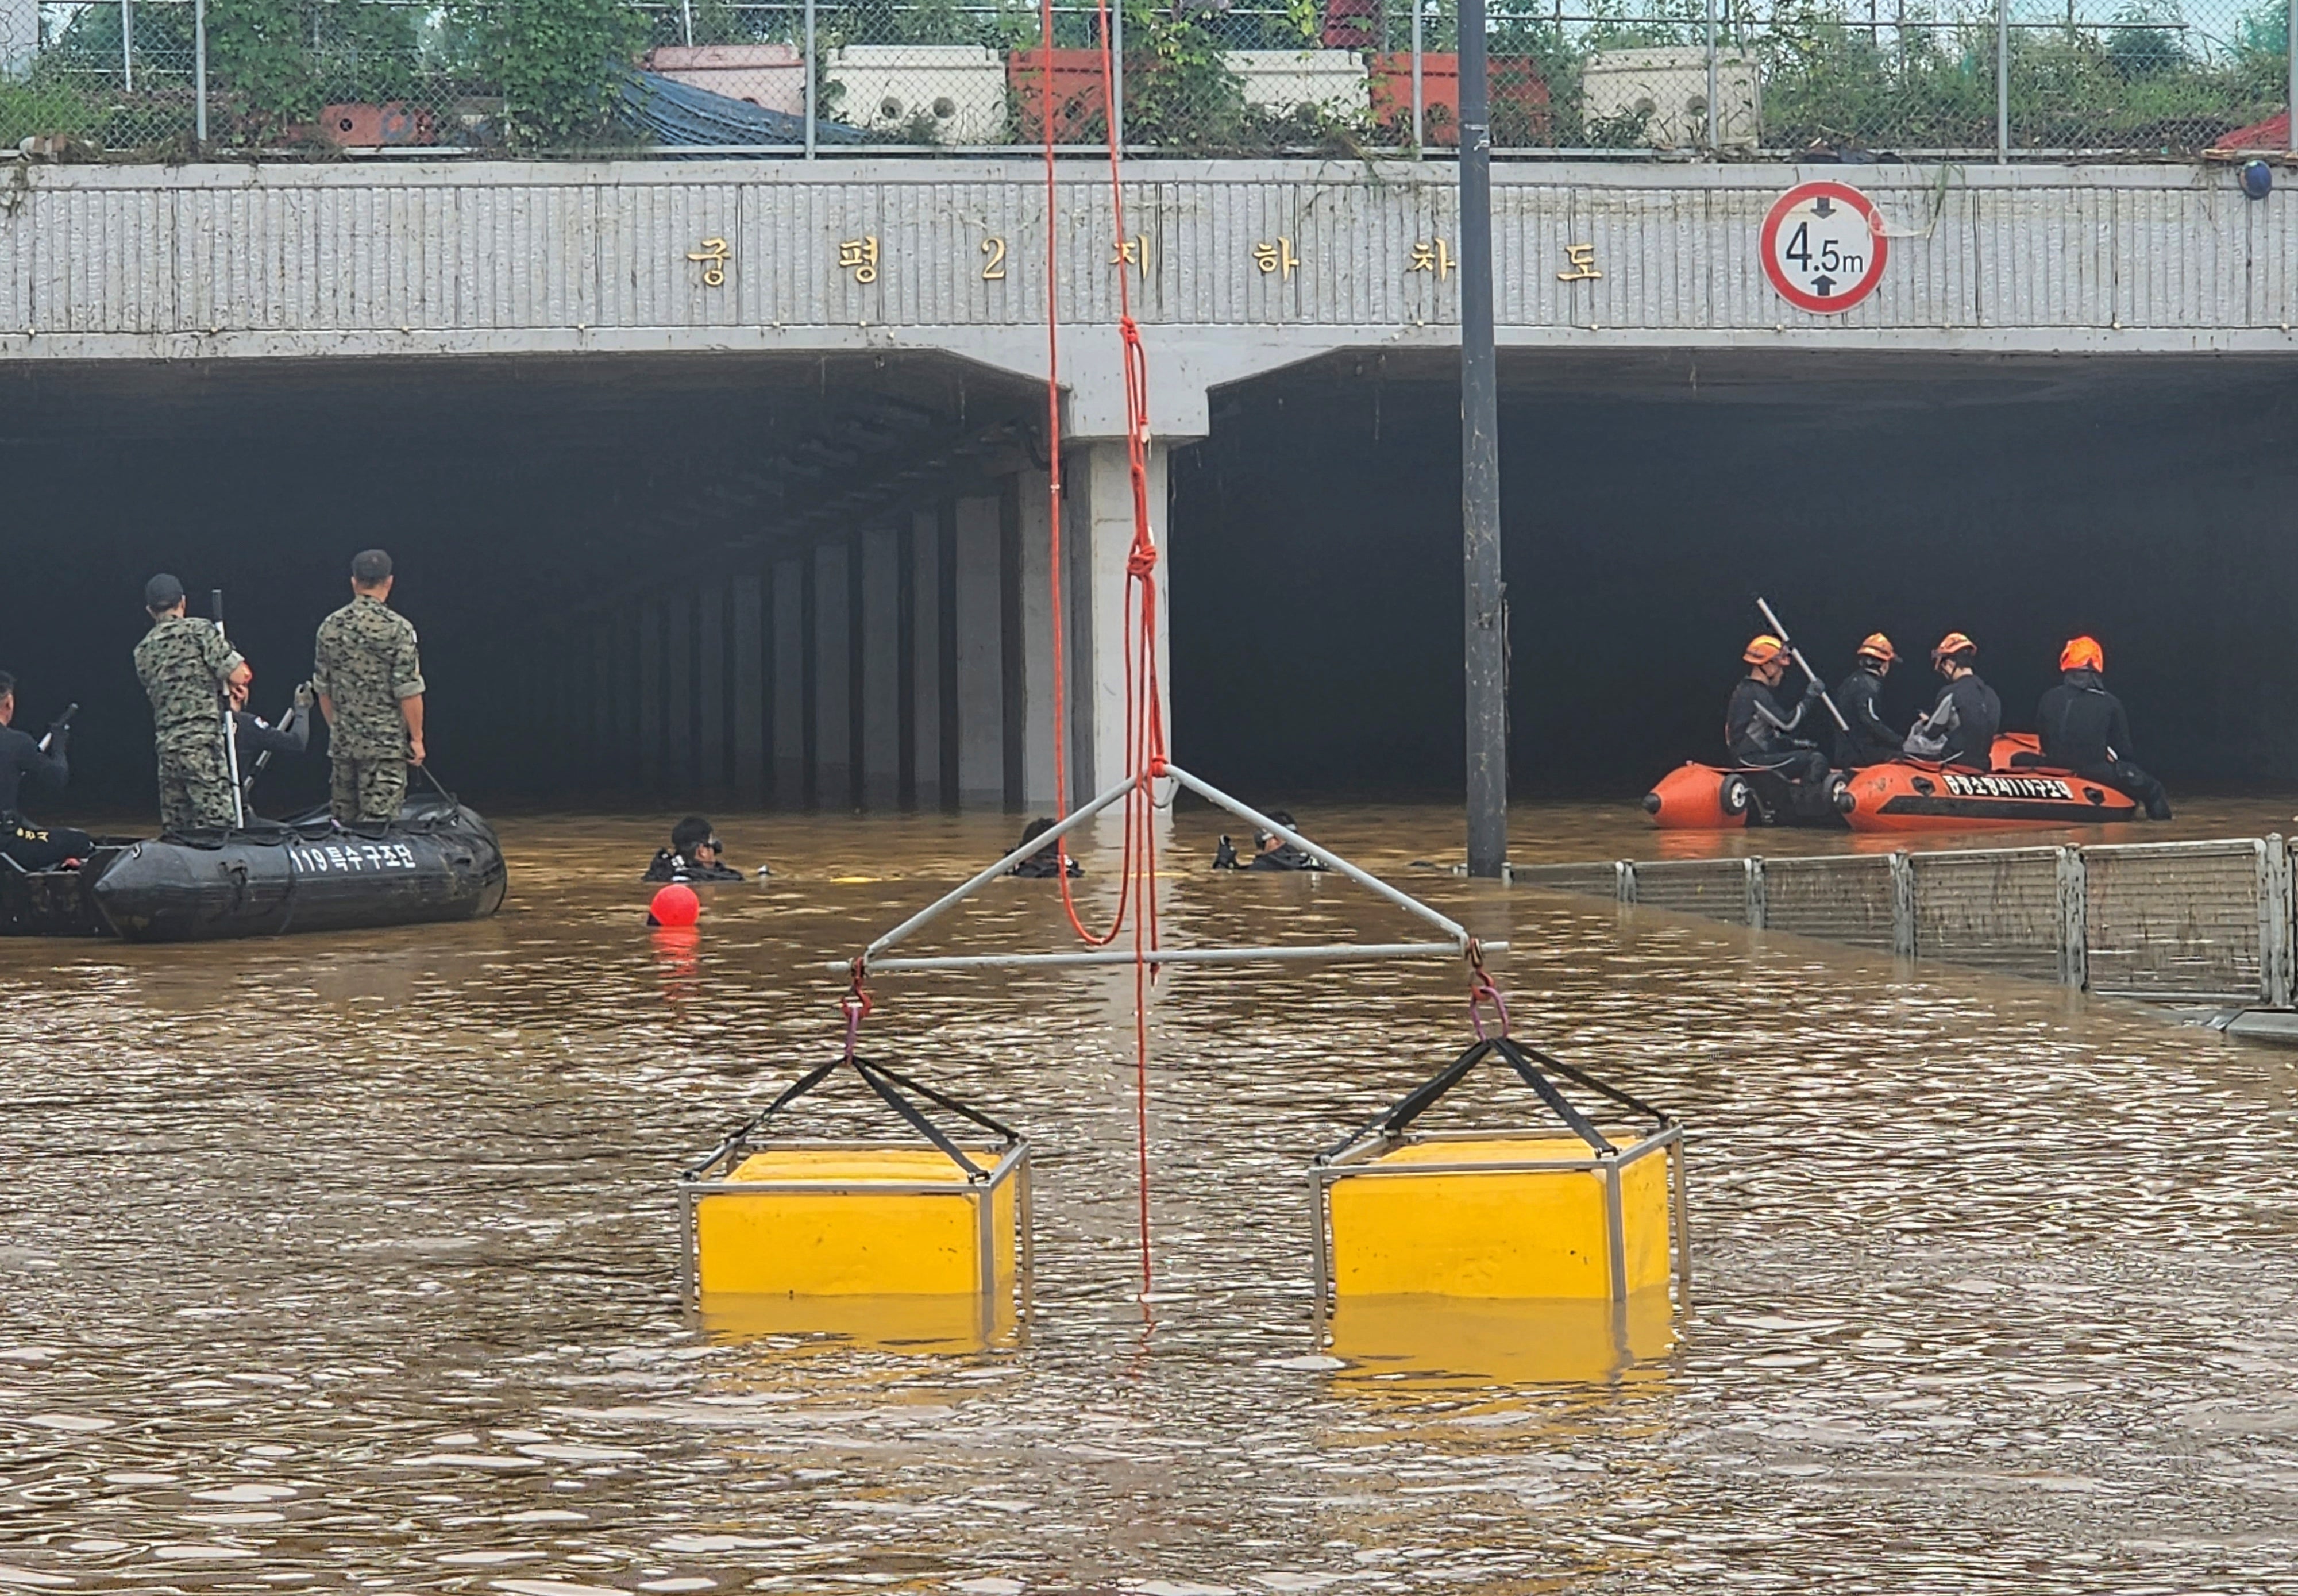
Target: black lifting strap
{"x": 1574, "y": 1073}
{"x": 889, "y": 1086}
{"x": 884, "y": 1082}
{"x": 1394, "y": 1121}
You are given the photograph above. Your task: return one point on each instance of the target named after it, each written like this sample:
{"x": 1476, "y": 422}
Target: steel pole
{"x": 810, "y": 110}
{"x": 2290, "y": 53}
{"x": 127, "y": 46}
{"x": 1480, "y": 467}
{"x": 1334, "y": 953}
{"x": 200, "y": 74}
{"x": 2002, "y": 82}
{"x": 1117, "y": 75}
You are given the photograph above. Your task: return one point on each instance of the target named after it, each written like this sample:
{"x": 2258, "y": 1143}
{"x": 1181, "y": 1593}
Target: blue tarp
{"x": 673, "y": 113}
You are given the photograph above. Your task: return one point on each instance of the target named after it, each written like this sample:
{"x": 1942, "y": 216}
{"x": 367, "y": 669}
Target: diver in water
{"x": 694, "y": 854}
{"x": 1871, "y": 739}
{"x": 1269, "y": 851}
{"x": 1960, "y": 727}
{"x": 29, "y": 845}
{"x": 1756, "y": 730}
{"x": 2086, "y": 730}
{"x": 1046, "y": 864}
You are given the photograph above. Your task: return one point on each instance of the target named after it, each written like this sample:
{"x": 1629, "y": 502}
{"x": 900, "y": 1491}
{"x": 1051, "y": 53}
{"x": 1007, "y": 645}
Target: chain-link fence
{"x": 1724, "y": 78}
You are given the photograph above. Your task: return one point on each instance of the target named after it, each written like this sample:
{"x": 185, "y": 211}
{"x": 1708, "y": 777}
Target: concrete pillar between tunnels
{"x": 1100, "y": 519}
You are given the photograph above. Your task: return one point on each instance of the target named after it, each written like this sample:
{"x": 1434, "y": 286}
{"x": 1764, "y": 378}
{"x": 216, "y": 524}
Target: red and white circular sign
{"x": 1824, "y": 246}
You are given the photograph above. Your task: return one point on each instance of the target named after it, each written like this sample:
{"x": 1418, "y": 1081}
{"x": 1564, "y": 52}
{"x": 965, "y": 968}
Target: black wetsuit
{"x": 257, "y": 736}
{"x": 1756, "y": 734}
{"x": 35, "y": 847}
{"x": 1960, "y": 727}
{"x": 668, "y": 866}
{"x": 1286, "y": 856}
{"x": 1871, "y": 739}
{"x": 1283, "y": 856}
{"x": 2086, "y": 730}
{"x": 1044, "y": 865}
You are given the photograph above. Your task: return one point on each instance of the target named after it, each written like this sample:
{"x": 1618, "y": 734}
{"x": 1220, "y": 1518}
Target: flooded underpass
{"x": 351, "y": 1262}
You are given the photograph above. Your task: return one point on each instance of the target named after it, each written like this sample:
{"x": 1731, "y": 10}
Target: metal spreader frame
{"x": 1357, "y": 1158}
{"x": 1458, "y": 944}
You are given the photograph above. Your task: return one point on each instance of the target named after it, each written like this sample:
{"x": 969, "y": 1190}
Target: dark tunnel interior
{"x": 1646, "y": 500}
{"x": 1314, "y": 544}
{"x": 517, "y": 498}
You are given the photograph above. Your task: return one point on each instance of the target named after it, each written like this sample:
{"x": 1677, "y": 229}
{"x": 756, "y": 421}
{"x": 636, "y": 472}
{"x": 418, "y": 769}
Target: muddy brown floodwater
{"x": 348, "y": 1263}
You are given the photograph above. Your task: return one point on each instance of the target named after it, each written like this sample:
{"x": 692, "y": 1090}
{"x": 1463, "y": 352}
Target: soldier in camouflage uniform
{"x": 370, "y": 683}
{"x": 186, "y": 666}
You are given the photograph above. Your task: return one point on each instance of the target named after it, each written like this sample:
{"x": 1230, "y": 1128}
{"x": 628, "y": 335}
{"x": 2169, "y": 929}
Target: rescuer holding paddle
{"x": 2084, "y": 729}
{"x": 186, "y": 667}
{"x": 1756, "y": 730}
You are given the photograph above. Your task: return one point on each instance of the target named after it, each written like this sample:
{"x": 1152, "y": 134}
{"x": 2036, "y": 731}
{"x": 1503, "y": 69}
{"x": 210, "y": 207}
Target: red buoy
{"x": 674, "y": 905}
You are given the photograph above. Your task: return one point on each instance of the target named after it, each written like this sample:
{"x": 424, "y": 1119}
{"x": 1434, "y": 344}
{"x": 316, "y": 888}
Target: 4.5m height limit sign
{"x": 1824, "y": 246}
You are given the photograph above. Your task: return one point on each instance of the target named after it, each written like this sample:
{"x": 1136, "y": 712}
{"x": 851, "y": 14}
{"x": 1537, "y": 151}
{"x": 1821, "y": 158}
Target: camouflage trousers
{"x": 368, "y": 790}
{"x": 195, "y": 788}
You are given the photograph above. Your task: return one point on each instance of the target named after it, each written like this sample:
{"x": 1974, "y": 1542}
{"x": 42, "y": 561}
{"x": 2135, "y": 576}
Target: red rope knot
{"x": 1142, "y": 563}
{"x": 856, "y": 1007}
{"x": 1482, "y": 990}
{"x": 1130, "y": 331}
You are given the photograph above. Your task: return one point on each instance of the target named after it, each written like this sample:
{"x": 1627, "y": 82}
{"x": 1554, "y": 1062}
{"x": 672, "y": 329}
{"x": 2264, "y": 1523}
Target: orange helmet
{"x": 1878, "y": 646}
{"x": 1951, "y": 645}
{"x": 1764, "y": 649}
{"x": 2082, "y": 654}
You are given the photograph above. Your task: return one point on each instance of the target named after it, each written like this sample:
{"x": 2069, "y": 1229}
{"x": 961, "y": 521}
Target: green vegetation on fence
{"x": 536, "y": 77}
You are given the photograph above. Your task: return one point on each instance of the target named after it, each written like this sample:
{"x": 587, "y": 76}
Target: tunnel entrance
{"x": 528, "y": 504}
{"x": 806, "y": 579}
{"x": 1647, "y": 496}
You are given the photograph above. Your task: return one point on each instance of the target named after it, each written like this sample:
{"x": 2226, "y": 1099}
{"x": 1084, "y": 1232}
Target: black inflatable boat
{"x": 438, "y": 861}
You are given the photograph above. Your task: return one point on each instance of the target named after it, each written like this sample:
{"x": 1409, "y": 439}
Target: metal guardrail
{"x": 1955, "y": 79}
{"x": 2168, "y": 921}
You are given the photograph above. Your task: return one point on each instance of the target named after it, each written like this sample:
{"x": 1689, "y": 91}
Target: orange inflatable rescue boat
{"x": 2018, "y": 793}
{"x": 1904, "y": 795}
{"x": 1707, "y": 797}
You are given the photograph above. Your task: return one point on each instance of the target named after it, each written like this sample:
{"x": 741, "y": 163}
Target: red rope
{"x": 1144, "y": 720}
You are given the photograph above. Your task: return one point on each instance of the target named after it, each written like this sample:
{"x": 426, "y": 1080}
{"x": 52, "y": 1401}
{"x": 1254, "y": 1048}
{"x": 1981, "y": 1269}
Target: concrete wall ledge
{"x": 1234, "y": 267}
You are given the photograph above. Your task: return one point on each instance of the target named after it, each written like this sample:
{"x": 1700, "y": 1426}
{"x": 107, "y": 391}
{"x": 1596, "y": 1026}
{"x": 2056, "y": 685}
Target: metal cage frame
{"x": 1361, "y": 1163}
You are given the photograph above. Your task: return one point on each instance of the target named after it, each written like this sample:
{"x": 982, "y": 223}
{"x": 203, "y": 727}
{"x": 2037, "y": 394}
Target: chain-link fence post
{"x": 2290, "y": 53}
{"x": 200, "y": 74}
{"x": 1714, "y": 125}
{"x": 1117, "y": 74}
{"x": 127, "y": 46}
{"x": 811, "y": 109}
{"x": 686, "y": 18}
{"x": 1419, "y": 101}
{"x": 2002, "y": 82}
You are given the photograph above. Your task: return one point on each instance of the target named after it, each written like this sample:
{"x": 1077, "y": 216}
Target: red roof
{"x": 2272, "y": 134}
